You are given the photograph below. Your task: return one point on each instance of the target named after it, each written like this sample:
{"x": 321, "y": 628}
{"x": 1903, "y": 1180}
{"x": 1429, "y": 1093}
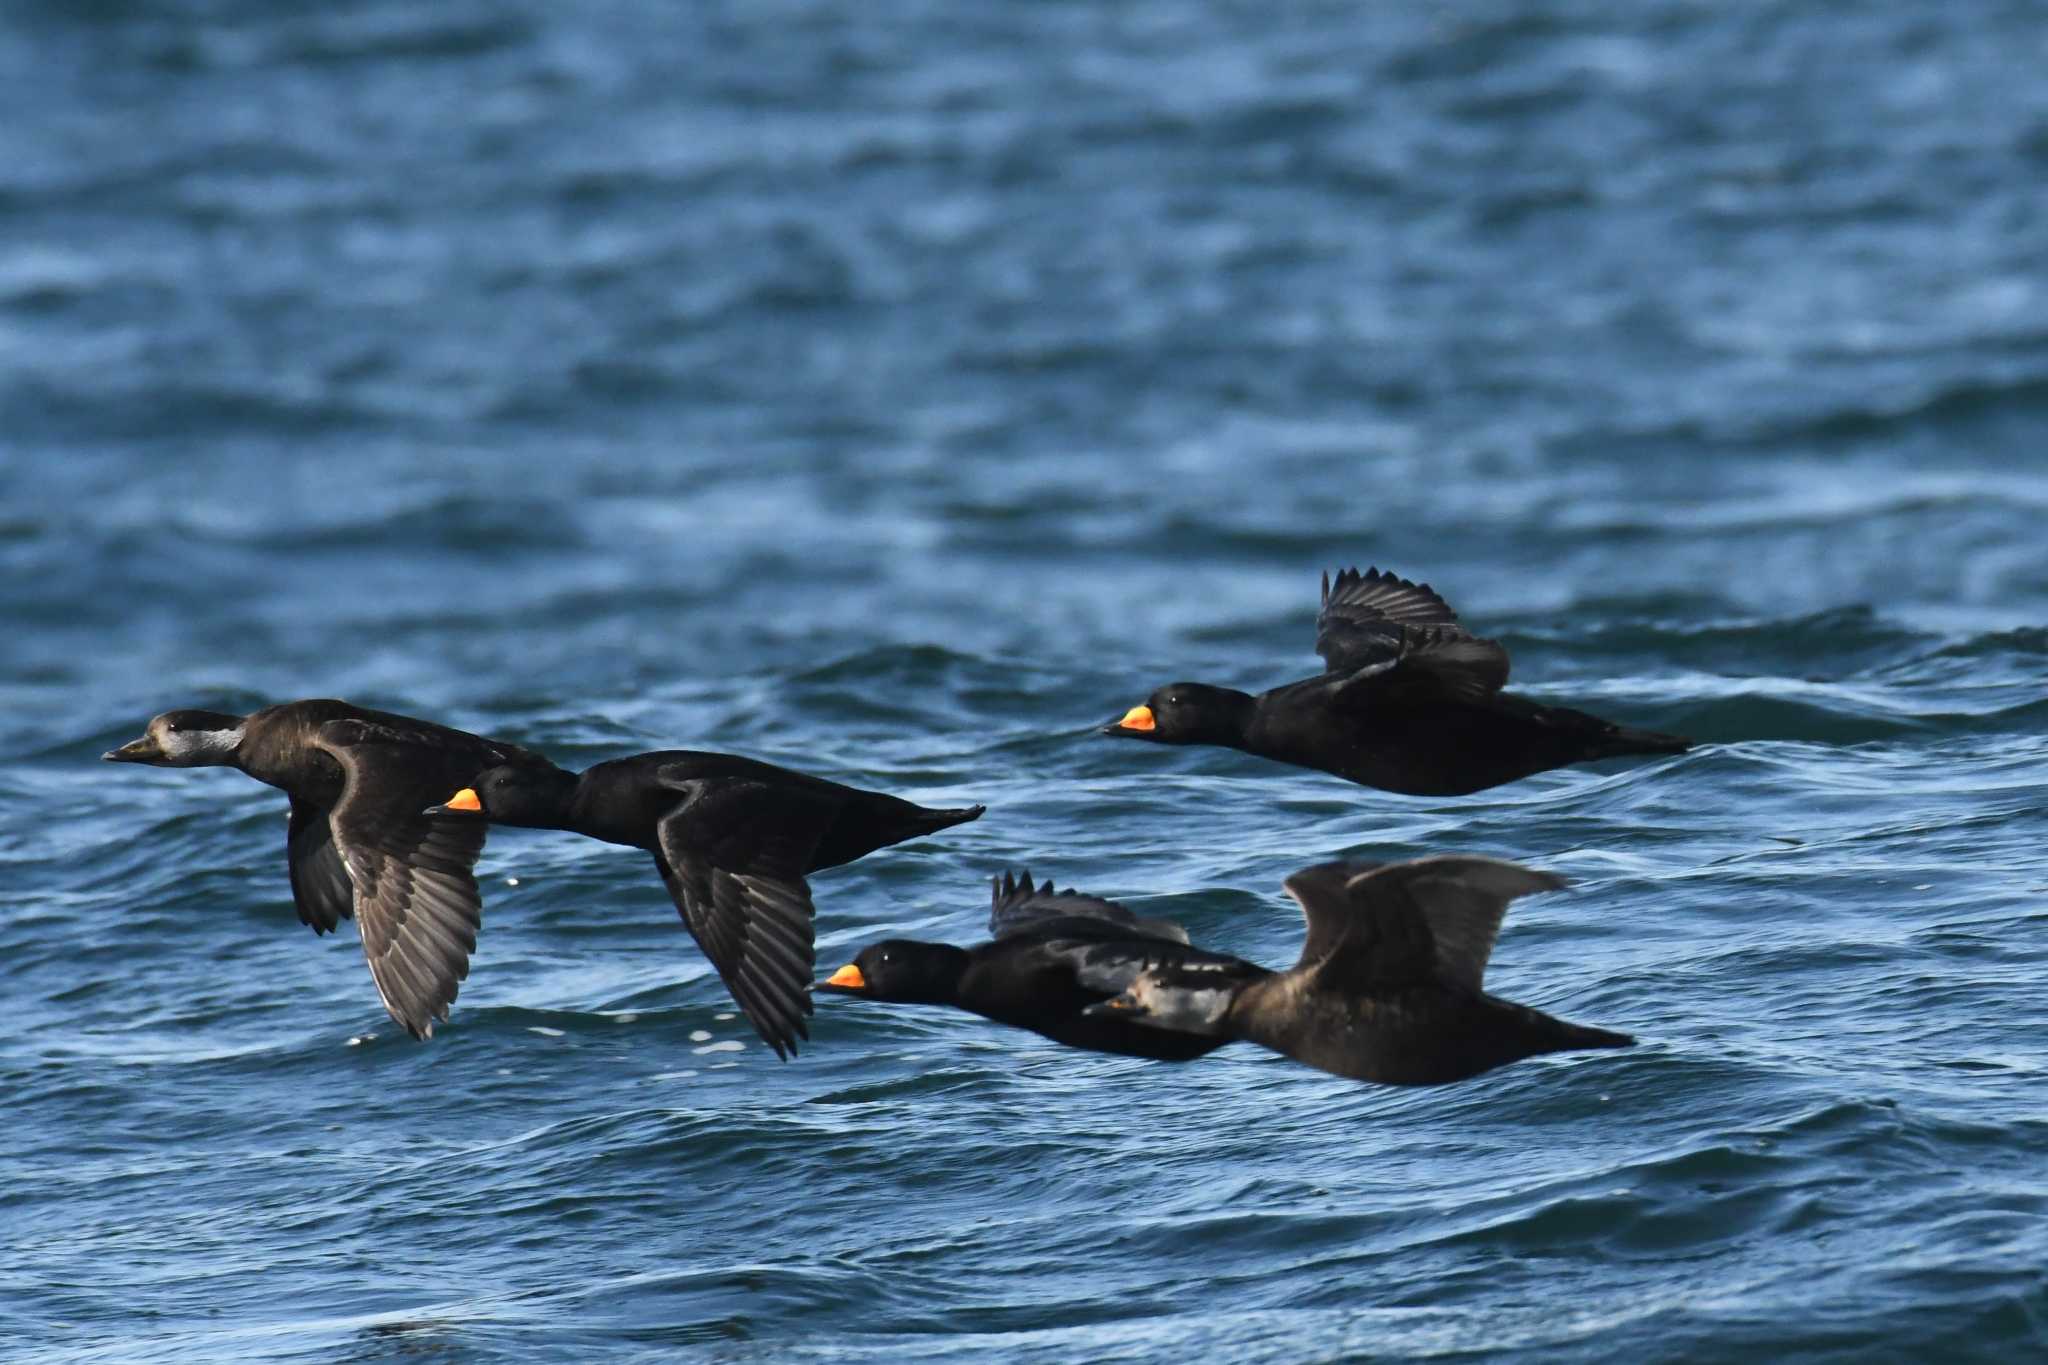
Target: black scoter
{"x": 1388, "y": 988}
{"x": 357, "y": 843}
{"x": 1053, "y": 954}
{"x": 732, "y": 838}
{"x": 1410, "y": 702}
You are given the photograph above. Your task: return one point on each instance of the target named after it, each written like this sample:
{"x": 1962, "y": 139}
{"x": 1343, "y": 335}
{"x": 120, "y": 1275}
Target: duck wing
{"x": 1429, "y": 662}
{"x": 321, "y": 889}
{"x": 733, "y": 854}
{"x": 1363, "y": 614}
{"x": 1018, "y": 907}
{"x": 1392, "y": 635}
{"x": 1111, "y": 967}
{"x": 1384, "y": 926}
{"x": 415, "y": 894}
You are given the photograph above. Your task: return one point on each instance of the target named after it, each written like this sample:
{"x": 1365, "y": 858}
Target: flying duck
{"x": 1410, "y": 702}
{"x": 1389, "y": 984}
{"x": 733, "y": 839}
{"x": 358, "y": 843}
{"x": 1052, "y": 954}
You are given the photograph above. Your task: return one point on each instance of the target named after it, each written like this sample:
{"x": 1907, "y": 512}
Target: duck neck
{"x": 1267, "y": 1012}
{"x": 615, "y": 814}
{"x": 1235, "y": 712}
{"x": 223, "y": 749}
{"x": 547, "y": 801}
{"x": 941, "y": 974}
{"x": 246, "y": 749}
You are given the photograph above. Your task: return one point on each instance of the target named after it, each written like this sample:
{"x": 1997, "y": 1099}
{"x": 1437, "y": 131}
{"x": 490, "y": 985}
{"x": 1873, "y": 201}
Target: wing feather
{"x": 1391, "y": 634}
{"x": 1018, "y": 907}
{"x": 1363, "y": 615}
{"x": 415, "y": 893}
{"x": 321, "y": 890}
{"x": 732, "y": 854}
{"x": 1384, "y": 926}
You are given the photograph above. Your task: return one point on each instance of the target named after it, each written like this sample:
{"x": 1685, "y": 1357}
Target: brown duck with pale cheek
{"x": 1389, "y": 984}
{"x": 357, "y": 844}
{"x": 1410, "y": 702}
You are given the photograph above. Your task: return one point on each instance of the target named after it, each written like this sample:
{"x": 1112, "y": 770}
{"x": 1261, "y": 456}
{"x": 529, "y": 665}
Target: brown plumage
{"x": 358, "y": 843}
{"x": 1388, "y": 987}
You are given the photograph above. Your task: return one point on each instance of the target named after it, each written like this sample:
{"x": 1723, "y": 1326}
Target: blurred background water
{"x": 898, "y": 394}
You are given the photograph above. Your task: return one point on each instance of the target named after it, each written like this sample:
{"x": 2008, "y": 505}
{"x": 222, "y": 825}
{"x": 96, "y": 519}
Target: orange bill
{"x": 1137, "y": 718}
{"x": 848, "y": 978}
{"x": 466, "y": 799}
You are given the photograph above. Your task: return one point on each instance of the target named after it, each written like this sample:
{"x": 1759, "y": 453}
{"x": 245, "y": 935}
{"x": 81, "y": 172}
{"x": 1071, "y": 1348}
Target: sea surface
{"x": 899, "y": 392}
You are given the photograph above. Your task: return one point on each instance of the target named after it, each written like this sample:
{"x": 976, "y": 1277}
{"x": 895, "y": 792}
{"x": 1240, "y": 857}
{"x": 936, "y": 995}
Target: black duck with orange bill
{"x": 1053, "y": 954}
{"x": 1410, "y": 702}
{"x": 733, "y": 839}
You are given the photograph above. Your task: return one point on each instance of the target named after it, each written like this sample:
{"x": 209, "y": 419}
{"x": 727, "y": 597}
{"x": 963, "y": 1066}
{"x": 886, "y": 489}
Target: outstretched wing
{"x": 1323, "y": 893}
{"x": 1391, "y": 634}
{"x": 1363, "y": 615}
{"x": 733, "y": 854}
{"x": 1017, "y": 907}
{"x": 1402, "y": 924}
{"x": 416, "y": 899}
{"x": 320, "y": 886}
{"x": 1439, "y": 659}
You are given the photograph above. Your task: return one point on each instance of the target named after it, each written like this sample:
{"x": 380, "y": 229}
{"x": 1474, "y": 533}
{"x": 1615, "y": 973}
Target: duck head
{"x": 901, "y": 971}
{"x": 183, "y": 739}
{"x": 533, "y": 794}
{"x": 1186, "y": 713}
{"x": 1175, "y": 1005}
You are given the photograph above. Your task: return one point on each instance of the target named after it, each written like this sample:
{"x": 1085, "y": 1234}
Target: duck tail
{"x": 1576, "y": 1036}
{"x": 1625, "y": 741}
{"x": 933, "y": 819}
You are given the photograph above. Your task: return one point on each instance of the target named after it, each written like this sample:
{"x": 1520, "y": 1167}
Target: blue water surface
{"x": 898, "y": 393}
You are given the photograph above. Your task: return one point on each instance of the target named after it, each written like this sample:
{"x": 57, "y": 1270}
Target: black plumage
{"x": 733, "y": 839}
{"x": 1052, "y": 954}
{"x": 1410, "y": 701}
